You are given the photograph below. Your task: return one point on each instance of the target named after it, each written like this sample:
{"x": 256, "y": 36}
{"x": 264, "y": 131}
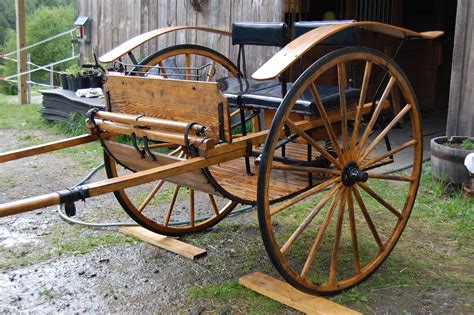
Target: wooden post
{"x": 461, "y": 109}
{"x": 21, "y": 56}
{"x": 28, "y": 79}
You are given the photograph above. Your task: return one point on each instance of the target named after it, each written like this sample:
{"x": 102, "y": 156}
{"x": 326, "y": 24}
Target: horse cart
{"x": 309, "y": 144}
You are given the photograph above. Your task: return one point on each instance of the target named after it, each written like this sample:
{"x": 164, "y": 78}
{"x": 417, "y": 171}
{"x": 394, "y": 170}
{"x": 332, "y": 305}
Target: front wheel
{"x": 340, "y": 230}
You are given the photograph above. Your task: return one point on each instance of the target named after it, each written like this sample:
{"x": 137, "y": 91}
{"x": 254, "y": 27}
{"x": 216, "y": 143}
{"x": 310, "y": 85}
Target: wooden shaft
{"x": 122, "y": 182}
{"x": 47, "y": 147}
{"x": 29, "y": 204}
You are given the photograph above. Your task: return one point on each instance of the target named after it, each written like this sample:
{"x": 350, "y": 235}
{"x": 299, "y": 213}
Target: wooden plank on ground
{"x": 284, "y": 293}
{"x": 165, "y": 242}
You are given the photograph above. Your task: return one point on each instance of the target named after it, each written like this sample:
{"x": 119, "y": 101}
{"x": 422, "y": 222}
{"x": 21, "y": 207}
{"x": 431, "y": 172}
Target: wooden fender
{"x": 298, "y": 47}
{"x": 136, "y": 41}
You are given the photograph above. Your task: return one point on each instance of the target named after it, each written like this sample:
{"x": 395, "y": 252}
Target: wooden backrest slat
{"x": 178, "y": 100}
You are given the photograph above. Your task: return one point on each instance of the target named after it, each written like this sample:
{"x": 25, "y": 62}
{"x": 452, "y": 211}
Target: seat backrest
{"x": 347, "y": 37}
{"x": 178, "y": 100}
{"x": 273, "y": 34}
{"x": 260, "y": 33}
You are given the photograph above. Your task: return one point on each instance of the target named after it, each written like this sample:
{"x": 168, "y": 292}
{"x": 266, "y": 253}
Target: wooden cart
{"x": 311, "y": 155}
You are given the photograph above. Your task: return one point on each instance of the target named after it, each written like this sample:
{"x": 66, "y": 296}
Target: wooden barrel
{"x": 447, "y": 159}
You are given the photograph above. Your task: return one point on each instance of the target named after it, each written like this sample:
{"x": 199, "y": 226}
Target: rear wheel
{"x": 164, "y": 207}
{"x": 342, "y": 228}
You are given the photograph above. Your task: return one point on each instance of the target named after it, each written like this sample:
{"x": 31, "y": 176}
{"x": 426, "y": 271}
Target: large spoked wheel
{"x": 167, "y": 208}
{"x": 342, "y": 228}
{"x": 188, "y": 62}
{"x": 164, "y": 207}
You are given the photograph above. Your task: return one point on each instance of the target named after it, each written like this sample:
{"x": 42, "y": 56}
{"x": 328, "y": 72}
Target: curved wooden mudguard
{"x": 136, "y": 41}
{"x": 289, "y": 54}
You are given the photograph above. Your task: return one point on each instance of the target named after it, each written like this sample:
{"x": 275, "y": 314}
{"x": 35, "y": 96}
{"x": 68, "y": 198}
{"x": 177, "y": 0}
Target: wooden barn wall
{"x": 461, "y": 97}
{"x": 115, "y": 21}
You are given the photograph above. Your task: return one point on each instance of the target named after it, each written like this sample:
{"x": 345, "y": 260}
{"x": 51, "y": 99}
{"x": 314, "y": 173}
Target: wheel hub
{"x": 351, "y": 174}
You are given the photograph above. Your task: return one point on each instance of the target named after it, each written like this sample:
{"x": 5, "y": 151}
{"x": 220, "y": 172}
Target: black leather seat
{"x": 267, "y": 95}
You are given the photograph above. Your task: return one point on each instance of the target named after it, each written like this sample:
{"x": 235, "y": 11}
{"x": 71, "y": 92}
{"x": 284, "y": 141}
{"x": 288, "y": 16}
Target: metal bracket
{"x": 69, "y": 196}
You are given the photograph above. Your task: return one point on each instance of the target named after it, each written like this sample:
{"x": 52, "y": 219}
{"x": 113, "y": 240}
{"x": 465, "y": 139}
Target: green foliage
{"x": 76, "y": 127}
{"x": 467, "y": 144}
{"x": 229, "y": 291}
{"x": 74, "y": 70}
{"x": 41, "y": 23}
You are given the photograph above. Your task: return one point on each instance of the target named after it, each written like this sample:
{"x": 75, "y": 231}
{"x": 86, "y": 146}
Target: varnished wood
{"x": 143, "y": 38}
{"x": 352, "y": 222}
{"x": 289, "y": 264}
{"x": 342, "y": 83}
{"x": 48, "y": 147}
{"x": 171, "y": 244}
{"x": 309, "y": 218}
{"x": 337, "y": 237}
{"x": 380, "y": 200}
{"x": 286, "y": 294}
{"x": 367, "y": 217}
{"x": 377, "y": 111}
{"x": 362, "y": 96}
{"x": 169, "y": 99}
{"x": 292, "y": 52}
{"x": 322, "y": 230}
{"x": 385, "y": 131}
{"x": 326, "y": 120}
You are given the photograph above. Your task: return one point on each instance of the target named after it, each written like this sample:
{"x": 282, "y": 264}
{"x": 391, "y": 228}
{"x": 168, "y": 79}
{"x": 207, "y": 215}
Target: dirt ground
{"x": 50, "y": 266}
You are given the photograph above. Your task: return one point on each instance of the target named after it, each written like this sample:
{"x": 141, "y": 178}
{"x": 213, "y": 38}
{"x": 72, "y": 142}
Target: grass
{"x": 231, "y": 295}
{"x": 27, "y": 118}
{"x": 20, "y": 117}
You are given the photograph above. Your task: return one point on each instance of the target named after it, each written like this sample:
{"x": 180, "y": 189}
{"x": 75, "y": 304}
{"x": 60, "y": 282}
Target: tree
{"x": 41, "y": 24}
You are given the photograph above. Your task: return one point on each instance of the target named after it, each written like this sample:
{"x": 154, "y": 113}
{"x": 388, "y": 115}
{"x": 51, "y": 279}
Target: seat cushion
{"x": 267, "y": 95}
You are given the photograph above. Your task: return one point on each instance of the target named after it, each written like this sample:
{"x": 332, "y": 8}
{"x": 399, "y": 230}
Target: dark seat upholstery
{"x": 260, "y": 33}
{"x": 267, "y": 95}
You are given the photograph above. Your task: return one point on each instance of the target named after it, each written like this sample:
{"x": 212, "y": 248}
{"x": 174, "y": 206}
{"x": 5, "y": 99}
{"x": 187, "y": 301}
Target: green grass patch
{"x": 230, "y": 297}
{"x": 7, "y": 181}
{"x": 20, "y": 116}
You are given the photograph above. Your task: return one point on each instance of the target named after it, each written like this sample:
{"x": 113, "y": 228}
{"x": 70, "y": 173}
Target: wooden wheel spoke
{"x": 211, "y": 71}
{"x": 391, "y": 177}
{"x": 309, "y": 218}
{"x": 355, "y": 245}
{"x": 162, "y": 70}
{"x": 288, "y": 203}
{"x": 191, "y": 207}
{"x": 374, "y": 195}
{"x": 367, "y": 217}
{"x": 326, "y": 121}
{"x": 313, "y": 143}
{"x": 171, "y": 205}
{"x": 317, "y": 241}
{"x": 337, "y": 237}
{"x": 358, "y": 116}
{"x": 376, "y": 159}
{"x": 213, "y": 204}
{"x": 384, "y": 132}
{"x": 187, "y": 60}
{"x": 342, "y": 80}
{"x": 151, "y": 195}
{"x": 376, "y": 113}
